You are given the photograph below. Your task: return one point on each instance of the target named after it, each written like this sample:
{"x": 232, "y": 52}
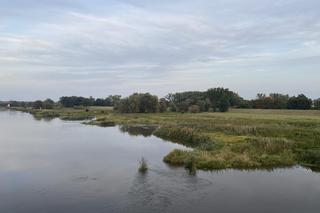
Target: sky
{"x": 52, "y": 48}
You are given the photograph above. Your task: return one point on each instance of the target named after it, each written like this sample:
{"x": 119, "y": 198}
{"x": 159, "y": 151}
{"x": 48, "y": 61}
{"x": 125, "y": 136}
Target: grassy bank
{"x": 236, "y": 139}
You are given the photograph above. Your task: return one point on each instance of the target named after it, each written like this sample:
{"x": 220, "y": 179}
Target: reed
{"x": 143, "y": 166}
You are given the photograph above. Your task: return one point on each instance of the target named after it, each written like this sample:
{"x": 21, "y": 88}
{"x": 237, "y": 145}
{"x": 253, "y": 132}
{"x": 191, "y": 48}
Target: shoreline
{"x": 241, "y": 139}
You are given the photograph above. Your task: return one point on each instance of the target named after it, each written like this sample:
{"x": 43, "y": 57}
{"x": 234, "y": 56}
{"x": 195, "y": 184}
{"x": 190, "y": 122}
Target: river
{"x": 50, "y": 166}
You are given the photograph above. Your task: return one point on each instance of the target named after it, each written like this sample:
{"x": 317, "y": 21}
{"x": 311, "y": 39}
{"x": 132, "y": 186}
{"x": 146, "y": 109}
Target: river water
{"x": 67, "y": 167}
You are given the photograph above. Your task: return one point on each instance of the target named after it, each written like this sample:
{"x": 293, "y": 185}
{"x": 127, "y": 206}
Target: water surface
{"x": 67, "y": 167}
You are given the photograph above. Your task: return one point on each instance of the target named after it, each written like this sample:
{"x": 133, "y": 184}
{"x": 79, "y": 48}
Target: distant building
{"x": 9, "y": 106}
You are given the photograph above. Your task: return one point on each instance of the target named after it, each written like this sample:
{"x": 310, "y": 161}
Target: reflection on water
{"x": 47, "y": 119}
{"x": 313, "y": 168}
{"x": 162, "y": 194}
{"x": 67, "y": 167}
{"x": 138, "y": 130}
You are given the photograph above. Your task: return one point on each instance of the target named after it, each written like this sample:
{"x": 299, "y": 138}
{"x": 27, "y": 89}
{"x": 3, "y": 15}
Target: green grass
{"x": 236, "y": 139}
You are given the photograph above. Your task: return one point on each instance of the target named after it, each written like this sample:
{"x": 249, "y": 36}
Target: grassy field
{"x": 244, "y": 139}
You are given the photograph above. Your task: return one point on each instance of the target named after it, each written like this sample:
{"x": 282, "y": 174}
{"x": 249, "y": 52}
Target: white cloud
{"x": 183, "y": 43}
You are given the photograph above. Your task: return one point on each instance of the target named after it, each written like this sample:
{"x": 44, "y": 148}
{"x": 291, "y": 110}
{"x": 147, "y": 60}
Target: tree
{"x": 261, "y": 96}
{"x": 48, "y": 104}
{"x": 76, "y": 101}
{"x": 299, "y": 102}
{"x": 221, "y": 99}
{"x": 224, "y": 104}
{"x": 134, "y": 103}
{"x": 138, "y": 103}
{"x": 182, "y": 101}
{"x": 212, "y": 99}
{"x": 100, "y": 102}
{"x": 37, "y": 104}
{"x": 163, "y": 105}
{"x": 148, "y": 103}
{"x": 279, "y": 101}
{"x": 273, "y": 101}
{"x": 123, "y": 105}
{"x": 316, "y": 103}
{"x": 194, "y": 109}
{"x": 113, "y": 100}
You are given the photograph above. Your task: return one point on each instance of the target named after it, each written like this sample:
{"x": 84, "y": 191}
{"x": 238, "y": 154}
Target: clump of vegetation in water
{"x": 255, "y": 153}
{"x": 143, "y": 166}
{"x": 190, "y": 165}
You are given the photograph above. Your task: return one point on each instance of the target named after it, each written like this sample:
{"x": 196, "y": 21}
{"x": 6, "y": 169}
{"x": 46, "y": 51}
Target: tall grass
{"x": 187, "y": 136}
{"x": 190, "y": 165}
{"x": 143, "y": 166}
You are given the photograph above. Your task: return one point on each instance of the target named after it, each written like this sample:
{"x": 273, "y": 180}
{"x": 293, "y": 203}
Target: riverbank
{"x": 245, "y": 139}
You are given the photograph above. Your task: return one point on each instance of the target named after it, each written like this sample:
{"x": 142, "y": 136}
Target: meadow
{"x": 240, "y": 138}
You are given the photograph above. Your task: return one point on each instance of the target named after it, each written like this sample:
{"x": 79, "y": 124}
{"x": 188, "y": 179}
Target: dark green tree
{"x": 316, "y": 103}
{"x": 100, "y": 102}
{"x": 299, "y": 102}
{"x": 37, "y": 104}
{"x": 48, "y": 104}
{"x": 221, "y": 99}
{"x": 163, "y": 105}
{"x": 224, "y": 104}
{"x": 138, "y": 103}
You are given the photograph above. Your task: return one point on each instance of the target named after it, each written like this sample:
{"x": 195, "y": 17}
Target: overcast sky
{"x": 51, "y": 48}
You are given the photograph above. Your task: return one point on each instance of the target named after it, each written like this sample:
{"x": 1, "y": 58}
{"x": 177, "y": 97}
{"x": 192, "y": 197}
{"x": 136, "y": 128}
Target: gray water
{"x": 67, "y": 167}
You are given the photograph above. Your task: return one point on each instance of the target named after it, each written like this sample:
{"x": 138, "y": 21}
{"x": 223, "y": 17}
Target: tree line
{"x": 65, "y": 101}
{"x": 45, "y": 104}
{"x": 281, "y": 101}
{"x": 71, "y": 101}
{"x": 213, "y": 100}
